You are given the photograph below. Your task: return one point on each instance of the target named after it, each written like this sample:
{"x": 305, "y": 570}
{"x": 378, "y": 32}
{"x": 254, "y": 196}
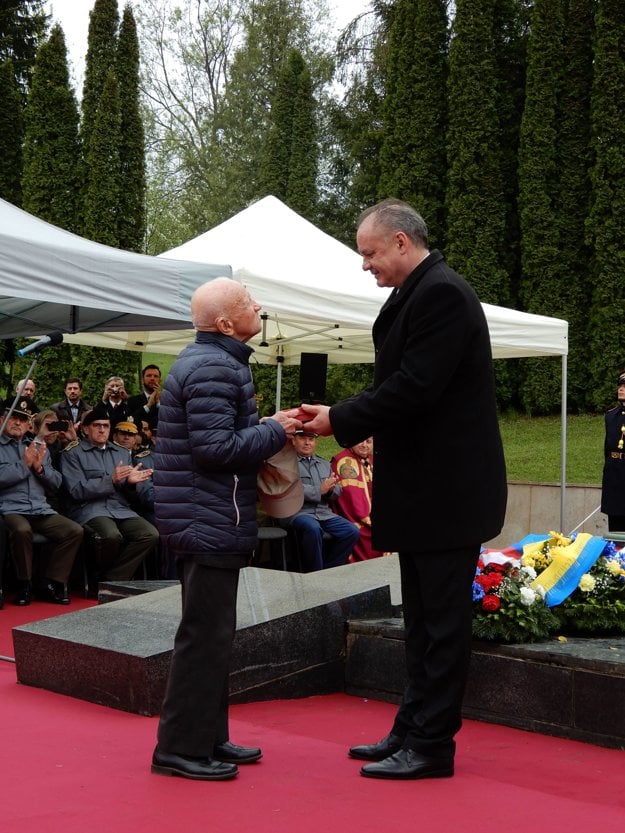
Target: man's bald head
{"x": 223, "y": 305}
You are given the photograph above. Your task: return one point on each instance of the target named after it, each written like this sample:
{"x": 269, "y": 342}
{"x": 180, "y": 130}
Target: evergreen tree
{"x": 412, "y": 158}
{"x": 276, "y": 153}
{"x": 270, "y": 30}
{"x": 352, "y": 151}
{"x": 52, "y": 158}
{"x": 477, "y": 209}
{"x": 103, "y": 186}
{"x": 101, "y": 54}
{"x": 510, "y": 31}
{"x": 132, "y": 147}
{"x": 541, "y": 278}
{"x": 23, "y": 25}
{"x": 11, "y": 134}
{"x": 475, "y": 195}
{"x": 606, "y": 232}
{"x": 288, "y": 168}
{"x": 574, "y": 160}
{"x": 301, "y": 194}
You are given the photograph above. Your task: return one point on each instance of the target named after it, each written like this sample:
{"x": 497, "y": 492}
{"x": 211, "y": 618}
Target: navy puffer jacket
{"x": 209, "y": 447}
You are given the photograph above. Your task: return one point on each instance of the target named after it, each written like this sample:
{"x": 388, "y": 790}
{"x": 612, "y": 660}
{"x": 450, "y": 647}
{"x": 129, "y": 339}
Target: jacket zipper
{"x": 234, "y": 499}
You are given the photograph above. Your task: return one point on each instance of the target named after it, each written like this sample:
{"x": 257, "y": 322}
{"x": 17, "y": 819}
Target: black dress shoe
{"x": 377, "y": 751}
{"x": 200, "y": 769}
{"x": 53, "y": 591}
{"x": 24, "y": 594}
{"x": 407, "y": 764}
{"x": 230, "y": 753}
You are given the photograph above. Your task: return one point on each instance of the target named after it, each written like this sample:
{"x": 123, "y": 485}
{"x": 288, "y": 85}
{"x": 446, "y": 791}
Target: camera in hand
{"x": 59, "y": 425}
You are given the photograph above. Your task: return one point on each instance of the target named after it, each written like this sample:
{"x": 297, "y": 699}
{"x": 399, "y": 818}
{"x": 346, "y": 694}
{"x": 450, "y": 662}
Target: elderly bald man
{"x": 209, "y": 448}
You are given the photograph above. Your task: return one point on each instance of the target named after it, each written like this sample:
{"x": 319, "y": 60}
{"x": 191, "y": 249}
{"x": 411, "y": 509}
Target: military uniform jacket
{"x": 313, "y": 471}
{"x": 440, "y": 478}
{"x": 87, "y": 476}
{"x": 613, "y": 484}
{"x": 22, "y": 492}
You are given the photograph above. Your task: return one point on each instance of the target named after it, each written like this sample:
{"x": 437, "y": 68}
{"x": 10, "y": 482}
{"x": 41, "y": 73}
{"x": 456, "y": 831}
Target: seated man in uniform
{"x": 99, "y": 479}
{"x": 26, "y": 476}
{"x": 316, "y": 516}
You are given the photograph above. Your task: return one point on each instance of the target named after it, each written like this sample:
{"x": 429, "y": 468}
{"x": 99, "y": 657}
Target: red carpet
{"x": 70, "y": 766}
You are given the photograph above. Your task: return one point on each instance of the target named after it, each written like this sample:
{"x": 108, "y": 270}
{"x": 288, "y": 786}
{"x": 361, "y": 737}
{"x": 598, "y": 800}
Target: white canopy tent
{"x": 314, "y": 294}
{"x": 51, "y": 279}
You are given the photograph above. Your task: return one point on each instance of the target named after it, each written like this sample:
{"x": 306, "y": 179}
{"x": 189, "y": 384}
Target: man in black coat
{"x": 440, "y": 485}
{"x": 73, "y": 406}
{"x": 144, "y": 407}
{"x": 613, "y": 483}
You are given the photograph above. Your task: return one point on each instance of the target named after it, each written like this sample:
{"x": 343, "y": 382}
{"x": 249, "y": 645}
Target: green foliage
{"x": 11, "y": 134}
{"x": 475, "y": 194}
{"x": 288, "y": 165}
{"x": 539, "y": 178}
{"x": 93, "y": 365}
{"x": 131, "y": 209}
{"x": 52, "y": 155}
{"x": 101, "y": 53}
{"x": 605, "y": 230}
{"x": 574, "y": 158}
{"x": 23, "y": 25}
{"x": 533, "y": 449}
{"x": 412, "y": 155}
{"x": 210, "y": 116}
{"x": 103, "y": 182}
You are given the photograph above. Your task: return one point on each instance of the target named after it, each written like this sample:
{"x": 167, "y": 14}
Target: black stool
{"x": 272, "y": 534}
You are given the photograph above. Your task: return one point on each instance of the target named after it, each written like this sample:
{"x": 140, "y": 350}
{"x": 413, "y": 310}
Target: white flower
{"x": 529, "y": 571}
{"x": 540, "y": 591}
{"x": 528, "y": 596}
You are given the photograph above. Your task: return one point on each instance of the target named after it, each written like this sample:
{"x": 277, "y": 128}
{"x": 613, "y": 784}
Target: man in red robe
{"x": 354, "y": 469}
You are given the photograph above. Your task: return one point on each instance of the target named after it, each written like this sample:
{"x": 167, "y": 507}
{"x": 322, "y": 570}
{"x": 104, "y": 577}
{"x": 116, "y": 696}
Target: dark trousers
{"x": 318, "y": 554}
{"x": 616, "y": 523}
{"x": 121, "y": 545}
{"x": 64, "y": 534}
{"x": 194, "y": 716}
{"x": 438, "y": 611}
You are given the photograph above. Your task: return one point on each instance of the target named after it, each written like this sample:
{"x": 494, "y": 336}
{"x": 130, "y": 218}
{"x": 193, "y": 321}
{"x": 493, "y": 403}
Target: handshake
{"x": 315, "y": 417}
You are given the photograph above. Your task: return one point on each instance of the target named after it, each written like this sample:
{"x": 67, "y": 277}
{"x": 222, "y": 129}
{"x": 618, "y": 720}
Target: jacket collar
{"x": 236, "y": 348}
{"x": 402, "y": 292}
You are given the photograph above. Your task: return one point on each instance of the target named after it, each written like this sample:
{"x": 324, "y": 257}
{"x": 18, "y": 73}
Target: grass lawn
{"x": 532, "y": 448}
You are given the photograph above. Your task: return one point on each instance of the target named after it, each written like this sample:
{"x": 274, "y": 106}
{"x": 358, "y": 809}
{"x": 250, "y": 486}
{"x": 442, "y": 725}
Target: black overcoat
{"x": 440, "y": 479}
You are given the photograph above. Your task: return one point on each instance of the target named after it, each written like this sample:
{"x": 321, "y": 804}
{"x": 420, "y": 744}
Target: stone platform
{"x": 336, "y": 630}
{"x": 573, "y": 689}
{"x": 290, "y": 639}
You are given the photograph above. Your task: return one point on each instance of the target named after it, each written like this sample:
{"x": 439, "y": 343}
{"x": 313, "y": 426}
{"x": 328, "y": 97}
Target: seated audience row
{"x": 75, "y": 468}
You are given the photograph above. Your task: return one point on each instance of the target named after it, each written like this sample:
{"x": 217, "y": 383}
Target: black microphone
{"x": 51, "y": 339}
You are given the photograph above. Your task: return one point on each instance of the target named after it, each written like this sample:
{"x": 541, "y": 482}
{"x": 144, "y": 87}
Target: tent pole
{"x": 563, "y": 442}
{"x": 280, "y": 360}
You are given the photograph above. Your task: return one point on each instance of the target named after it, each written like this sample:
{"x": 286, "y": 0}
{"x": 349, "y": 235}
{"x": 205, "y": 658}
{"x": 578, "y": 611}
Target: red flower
{"x": 491, "y": 603}
{"x": 489, "y": 581}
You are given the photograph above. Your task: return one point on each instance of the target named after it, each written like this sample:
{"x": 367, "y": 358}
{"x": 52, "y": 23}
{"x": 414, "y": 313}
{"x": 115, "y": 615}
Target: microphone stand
{"x": 18, "y": 395}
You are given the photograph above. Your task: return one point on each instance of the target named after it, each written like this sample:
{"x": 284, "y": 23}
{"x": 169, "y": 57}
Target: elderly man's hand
{"x": 287, "y": 421}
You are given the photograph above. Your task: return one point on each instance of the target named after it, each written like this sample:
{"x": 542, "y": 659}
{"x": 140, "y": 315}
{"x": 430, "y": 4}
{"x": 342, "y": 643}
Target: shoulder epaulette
{"x": 73, "y": 444}
{"x": 143, "y": 453}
